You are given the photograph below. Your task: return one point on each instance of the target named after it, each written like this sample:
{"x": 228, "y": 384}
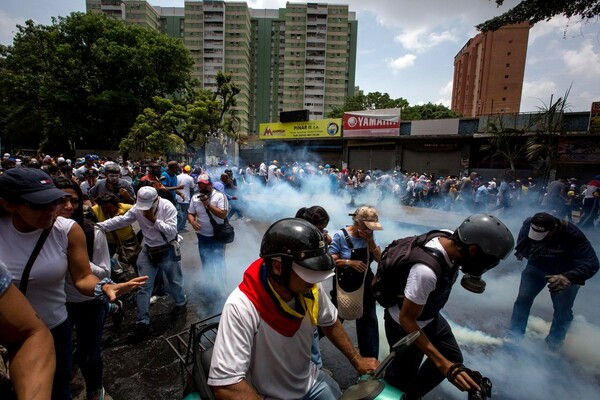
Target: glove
{"x": 556, "y": 283}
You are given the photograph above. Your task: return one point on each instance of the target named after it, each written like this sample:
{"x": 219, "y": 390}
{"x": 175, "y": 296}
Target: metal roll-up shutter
{"x": 435, "y": 163}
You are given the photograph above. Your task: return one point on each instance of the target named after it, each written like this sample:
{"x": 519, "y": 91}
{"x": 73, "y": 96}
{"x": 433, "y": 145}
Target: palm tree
{"x": 541, "y": 148}
{"x": 504, "y": 141}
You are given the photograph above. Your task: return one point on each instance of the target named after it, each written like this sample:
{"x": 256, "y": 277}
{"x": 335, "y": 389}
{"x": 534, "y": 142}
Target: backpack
{"x": 397, "y": 259}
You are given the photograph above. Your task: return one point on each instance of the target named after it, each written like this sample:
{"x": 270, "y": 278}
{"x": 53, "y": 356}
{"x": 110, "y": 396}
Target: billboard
{"x": 595, "y": 118}
{"x": 372, "y": 123}
{"x": 322, "y": 128}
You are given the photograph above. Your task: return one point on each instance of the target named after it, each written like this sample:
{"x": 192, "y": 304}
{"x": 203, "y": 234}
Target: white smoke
{"x": 479, "y": 321}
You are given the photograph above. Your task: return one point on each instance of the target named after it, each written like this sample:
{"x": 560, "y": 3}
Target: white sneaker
{"x": 154, "y": 299}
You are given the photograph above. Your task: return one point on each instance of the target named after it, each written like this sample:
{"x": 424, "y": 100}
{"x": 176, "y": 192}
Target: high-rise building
{"x": 489, "y": 70}
{"x": 302, "y": 56}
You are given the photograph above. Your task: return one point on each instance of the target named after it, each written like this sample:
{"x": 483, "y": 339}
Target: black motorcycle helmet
{"x": 295, "y": 240}
{"x": 494, "y": 242}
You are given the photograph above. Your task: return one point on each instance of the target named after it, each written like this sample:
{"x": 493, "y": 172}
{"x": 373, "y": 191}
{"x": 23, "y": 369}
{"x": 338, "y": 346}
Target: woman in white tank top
{"x": 28, "y": 202}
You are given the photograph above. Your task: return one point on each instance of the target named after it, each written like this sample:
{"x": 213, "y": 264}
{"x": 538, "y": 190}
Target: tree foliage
{"x": 535, "y": 138}
{"x": 377, "y": 101}
{"x": 505, "y": 142}
{"x": 541, "y": 148}
{"x": 428, "y": 111}
{"x": 170, "y": 125}
{"x": 84, "y": 79}
{"x": 542, "y": 10}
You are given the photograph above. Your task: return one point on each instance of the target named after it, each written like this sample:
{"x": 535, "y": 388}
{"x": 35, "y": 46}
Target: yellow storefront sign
{"x": 322, "y": 128}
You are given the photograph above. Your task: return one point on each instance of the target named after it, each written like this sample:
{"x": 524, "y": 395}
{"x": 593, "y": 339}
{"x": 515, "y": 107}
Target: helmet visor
{"x": 311, "y": 276}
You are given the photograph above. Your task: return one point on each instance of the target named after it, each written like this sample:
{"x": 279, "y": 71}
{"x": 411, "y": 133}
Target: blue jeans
{"x": 88, "y": 319}
{"x": 532, "y": 282}
{"x": 367, "y": 327}
{"x": 182, "y": 212}
{"x": 212, "y": 255}
{"x": 315, "y": 350}
{"x": 236, "y": 207}
{"x": 325, "y": 388}
{"x": 174, "y": 275}
{"x": 63, "y": 346}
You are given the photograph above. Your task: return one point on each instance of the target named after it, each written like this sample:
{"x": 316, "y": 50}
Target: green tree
{"x": 377, "y": 100}
{"x": 542, "y": 10}
{"x": 505, "y": 142}
{"x": 427, "y": 111}
{"x": 170, "y": 125}
{"x": 83, "y": 80}
{"x": 541, "y": 148}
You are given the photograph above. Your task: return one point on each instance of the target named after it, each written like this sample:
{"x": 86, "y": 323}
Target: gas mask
{"x": 473, "y": 266}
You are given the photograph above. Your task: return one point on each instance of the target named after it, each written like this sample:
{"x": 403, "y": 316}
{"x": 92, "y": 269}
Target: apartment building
{"x": 489, "y": 70}
{"x": 302, "y": 56}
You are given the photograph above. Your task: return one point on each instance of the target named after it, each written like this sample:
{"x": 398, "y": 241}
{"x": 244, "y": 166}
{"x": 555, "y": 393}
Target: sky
{"x": 406, "y": 48}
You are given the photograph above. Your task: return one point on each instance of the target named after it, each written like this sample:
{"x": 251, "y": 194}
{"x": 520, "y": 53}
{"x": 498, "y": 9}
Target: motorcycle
{"x": 373, "y": 386}
{"x": 193, "y": 347}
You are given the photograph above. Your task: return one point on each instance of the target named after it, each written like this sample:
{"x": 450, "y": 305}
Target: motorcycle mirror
{"x": 403, "y": 344}
{"x": 398, "y": 348}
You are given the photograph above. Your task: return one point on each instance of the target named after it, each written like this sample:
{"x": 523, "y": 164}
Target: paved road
{"x": 150, "y": 370}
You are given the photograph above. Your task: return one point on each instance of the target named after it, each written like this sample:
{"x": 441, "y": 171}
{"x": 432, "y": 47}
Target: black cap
{"x": 30, "y": 184}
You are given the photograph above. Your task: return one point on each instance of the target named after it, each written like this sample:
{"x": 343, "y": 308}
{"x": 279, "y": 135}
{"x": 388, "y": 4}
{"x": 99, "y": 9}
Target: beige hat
{"x": 368, "y": 215}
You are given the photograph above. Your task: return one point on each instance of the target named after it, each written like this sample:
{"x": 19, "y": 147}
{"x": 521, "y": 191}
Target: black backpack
{"x": 397, "y": 259}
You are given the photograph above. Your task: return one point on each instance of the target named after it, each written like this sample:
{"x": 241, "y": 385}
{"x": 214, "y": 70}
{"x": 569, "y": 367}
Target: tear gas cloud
{"x": 479, "y": 321}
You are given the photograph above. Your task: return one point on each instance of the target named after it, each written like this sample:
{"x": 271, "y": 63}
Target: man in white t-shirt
{"x": 272, "y": 177}
{"x": 476, "y": 246}
{"x": 262, "y": 173}
{"x": 184, "y": 179}
{"x": 212, "y": 252}
{"x": 126, "y": 172}
{"x": 263, "y": 346}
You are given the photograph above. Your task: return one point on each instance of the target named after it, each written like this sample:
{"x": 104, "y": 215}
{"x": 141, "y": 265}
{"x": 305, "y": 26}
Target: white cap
{"x": 311, "y": 276}
{"x": 145, "y": 198}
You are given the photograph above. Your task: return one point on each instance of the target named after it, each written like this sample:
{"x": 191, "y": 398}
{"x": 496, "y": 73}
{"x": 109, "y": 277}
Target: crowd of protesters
{"x": 163, "y": 197}
{"x": 470, "y": 193}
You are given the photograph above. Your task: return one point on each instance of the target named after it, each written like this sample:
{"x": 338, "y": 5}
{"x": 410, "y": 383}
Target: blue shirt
{"x": 5, "y": 279}
{"x": 170, "y": 181}
{"x": 339, "y": 245}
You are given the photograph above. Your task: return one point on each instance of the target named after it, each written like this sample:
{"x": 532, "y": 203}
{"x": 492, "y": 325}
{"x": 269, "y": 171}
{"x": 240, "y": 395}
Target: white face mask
{"x": 154, "y": 206}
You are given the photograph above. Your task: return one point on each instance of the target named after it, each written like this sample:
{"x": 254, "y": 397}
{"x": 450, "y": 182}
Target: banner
{"x": 370, "y": 123}
{"x": 595, "y": 118}
{"x": 322, "y": 128}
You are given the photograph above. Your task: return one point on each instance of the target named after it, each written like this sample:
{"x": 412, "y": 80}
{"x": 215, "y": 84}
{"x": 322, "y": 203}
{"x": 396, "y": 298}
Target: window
{"x": 505, "y": 76}
{"x": 504, "y": 99}
{"x": 505, "y": 87}
{"x": 508, "y": 65}
{"x": 508, "y": 54}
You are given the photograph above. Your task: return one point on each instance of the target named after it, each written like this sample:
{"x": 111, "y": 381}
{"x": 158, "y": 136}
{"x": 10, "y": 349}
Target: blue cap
{"x": 30, "y": 184}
